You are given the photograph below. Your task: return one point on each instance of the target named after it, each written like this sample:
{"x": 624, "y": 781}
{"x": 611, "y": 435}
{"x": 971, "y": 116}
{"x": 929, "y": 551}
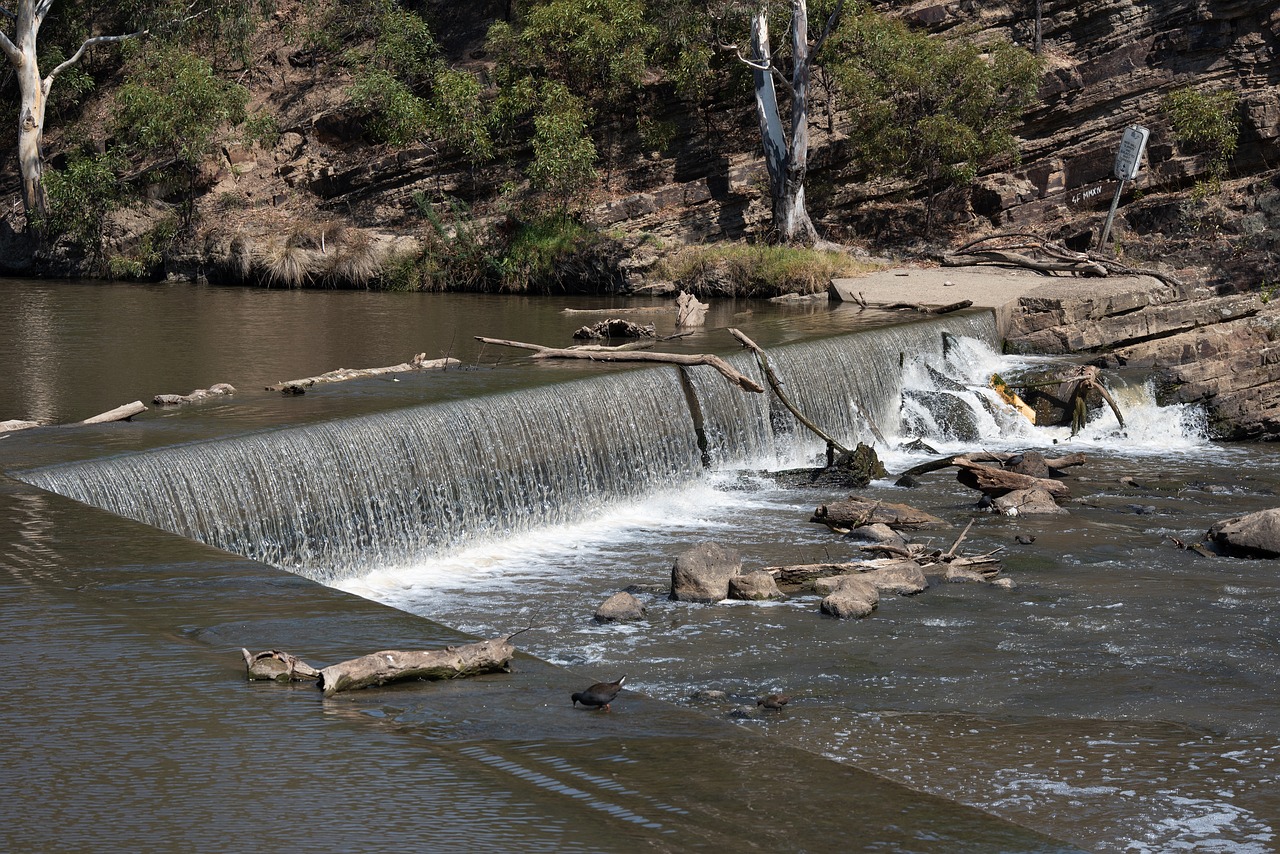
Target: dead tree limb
{"x": 931, "y": 309}
{"x": 420, "y": 363}
{"x": 997, "y": 482}
{"x": 1007, "y": 248}
{"x": 708, "y": 359}
{"x": 391, "y": 665}
{"x": 120, "y": 413}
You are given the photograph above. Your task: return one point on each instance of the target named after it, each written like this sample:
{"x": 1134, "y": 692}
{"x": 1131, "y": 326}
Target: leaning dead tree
{"x": 1022, "y": 249}
{"x": 611, "y": 355}
{"x": 1072, "y": 392}
{"x": 379, "y": 668}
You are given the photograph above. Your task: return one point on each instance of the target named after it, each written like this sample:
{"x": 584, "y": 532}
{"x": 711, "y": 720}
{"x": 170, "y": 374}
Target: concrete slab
{"x": 989, "y": 287}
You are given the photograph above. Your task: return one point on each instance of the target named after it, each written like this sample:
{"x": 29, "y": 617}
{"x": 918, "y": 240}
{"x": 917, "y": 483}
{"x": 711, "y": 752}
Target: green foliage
{"x": 533, "y": 255}
{"x": 81, "y": 196}
{"x": 563, "y": 153}
{"x": 1207, "y": 122}
{"x": 145, "y": 258}
{"x": 456, "y": 114}
{"x": 395, "y": 115}
{"x": 261, "y": 128}
{"x": 173, "y": 103}
{"x": 925, "y": 106}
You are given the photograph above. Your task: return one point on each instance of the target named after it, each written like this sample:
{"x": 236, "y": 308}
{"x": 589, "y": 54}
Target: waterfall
{"x": 330, "y": 500}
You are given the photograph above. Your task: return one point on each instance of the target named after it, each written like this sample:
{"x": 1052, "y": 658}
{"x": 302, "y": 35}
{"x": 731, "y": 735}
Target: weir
{"x": 331, "y": 500}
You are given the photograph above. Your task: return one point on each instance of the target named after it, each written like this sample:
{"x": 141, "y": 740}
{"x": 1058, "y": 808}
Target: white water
{"x": 1159, "y": 791}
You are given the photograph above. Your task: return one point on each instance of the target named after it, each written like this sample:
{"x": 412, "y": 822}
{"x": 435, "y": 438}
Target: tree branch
{"x": 826, "y": 31}
{"x": 11, "y": 51}
{"x": 88, "y": 43}
{"x": 6, "y": 13}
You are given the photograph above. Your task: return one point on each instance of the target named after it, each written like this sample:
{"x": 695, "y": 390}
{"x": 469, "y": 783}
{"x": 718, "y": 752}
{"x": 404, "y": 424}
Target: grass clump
{"x": 757, "y": 270}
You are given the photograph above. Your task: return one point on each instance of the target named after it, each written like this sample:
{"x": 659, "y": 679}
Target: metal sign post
{"x": 1128, "y": 163}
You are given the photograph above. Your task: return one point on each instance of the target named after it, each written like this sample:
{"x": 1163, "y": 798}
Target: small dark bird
{"x": 1024, "y": 539}
{"x": 599, "y": 695}
{"x": 774, "y": 702}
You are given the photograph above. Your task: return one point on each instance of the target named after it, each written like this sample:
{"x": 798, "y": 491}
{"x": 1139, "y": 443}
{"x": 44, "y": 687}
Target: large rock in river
{"x": 1252, "y": 535}
{"x": 755, "y": 586}
{"x": 621, "y": 607}
{"x": 702, "y": 573}
{"x": 852, "y": 598}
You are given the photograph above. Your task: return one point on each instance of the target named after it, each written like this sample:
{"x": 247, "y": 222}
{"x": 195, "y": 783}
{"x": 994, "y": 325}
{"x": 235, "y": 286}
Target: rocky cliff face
{"x": 1110, "y": 64}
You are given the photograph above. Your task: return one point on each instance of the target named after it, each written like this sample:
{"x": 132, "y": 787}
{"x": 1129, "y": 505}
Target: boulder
{"x": 879, "y": 533}
{"x": 1254, "y": 535}
{"x": 853, "y": 598}
{"x": 702, "y": 573}
{"x": 960, "y": 575}
{"x": 619, "y": 608}
{"x": 1028, "y": 502}
{"x": 754, "y": 587}
{"x": 905, "y": 578}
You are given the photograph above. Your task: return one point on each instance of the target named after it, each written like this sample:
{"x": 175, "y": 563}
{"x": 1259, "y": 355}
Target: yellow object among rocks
{"x": 1010, "y": 397}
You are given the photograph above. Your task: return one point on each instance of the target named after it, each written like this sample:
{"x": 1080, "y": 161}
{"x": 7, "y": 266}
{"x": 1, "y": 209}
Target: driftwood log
{"x": 420, "y": 363}
{"x": 726, "y": 370}
{"x": 277, "y": 666}
{"x": 1055, "y": 465}
{"x": 215, "y": 390}
{"x": 391, "y": 665}
{"x": 931, "y": 309}
{"x": 452, "y": 662}
{"x": 856, "y": 512}
{"x": 120, "y": 413}
{"x": 996, "y": 482}
{"x": 1023, "y": 249}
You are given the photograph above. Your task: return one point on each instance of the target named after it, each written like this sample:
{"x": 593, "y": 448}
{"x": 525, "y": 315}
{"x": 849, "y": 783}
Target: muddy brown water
{"x": 1122, "y": 698}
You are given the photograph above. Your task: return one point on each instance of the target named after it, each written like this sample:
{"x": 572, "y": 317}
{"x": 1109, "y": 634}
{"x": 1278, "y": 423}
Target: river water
{"x": 1119, "y": 698}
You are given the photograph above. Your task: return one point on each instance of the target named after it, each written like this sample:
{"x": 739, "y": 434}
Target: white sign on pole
{"x": 1129, "y": 157}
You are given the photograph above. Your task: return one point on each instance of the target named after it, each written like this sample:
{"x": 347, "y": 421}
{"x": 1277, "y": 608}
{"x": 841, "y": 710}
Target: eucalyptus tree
{"x": 20, "y": 44}
{"x": 786, "y": 155}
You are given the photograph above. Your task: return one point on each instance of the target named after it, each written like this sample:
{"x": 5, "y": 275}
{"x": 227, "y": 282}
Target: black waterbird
{"x": 599, "y": 695}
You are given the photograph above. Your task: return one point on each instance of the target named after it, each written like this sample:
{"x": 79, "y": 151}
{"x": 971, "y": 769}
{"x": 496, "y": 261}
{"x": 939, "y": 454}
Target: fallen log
{"x": 452, "y": 662}
{"x": 931, "y": 309}
{"x": 799, "y": 574}
{"x": 856, "y": 512}
{"x": 710, "y": 360}
{"x": 215, "y": 390}
{"x": 120, "y": 413}
{"x": 1056, "y": 464}
{"x": 277, "y": 666}
{"x": 17, "y": 424}
{"x": 420, "y": 363}
{"x": 996, "y": 482}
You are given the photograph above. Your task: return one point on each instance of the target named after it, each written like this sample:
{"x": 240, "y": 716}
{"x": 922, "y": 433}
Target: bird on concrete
{"x": 774, "y": 702}
{"x": 599, "y": 695}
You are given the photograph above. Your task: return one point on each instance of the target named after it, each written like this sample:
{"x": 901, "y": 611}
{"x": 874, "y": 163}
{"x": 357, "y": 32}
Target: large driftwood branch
{"x": 215, "y": 390}
{"x": 776, "y": 385}
{"x": 392, "y": 665}
{"x": 420, "y": 363}
{"x": 1055, "y": 464}
{"x": 1007, "y": 248}
{"x": 931, "y": 309}
{"x": 997, "y": 482}
{"x": 688, "y": 360}
{"x": 120, "y": 413}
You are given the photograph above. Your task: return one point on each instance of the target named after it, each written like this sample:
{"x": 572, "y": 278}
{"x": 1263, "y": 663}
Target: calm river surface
{"x": 1121, "y": 698}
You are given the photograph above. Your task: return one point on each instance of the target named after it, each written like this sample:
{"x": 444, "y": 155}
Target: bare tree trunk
{"x": 788, "y": 163}
{"x": 23, "y": 56}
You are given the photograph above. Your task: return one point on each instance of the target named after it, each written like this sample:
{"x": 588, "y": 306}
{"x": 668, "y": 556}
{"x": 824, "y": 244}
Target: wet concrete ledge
{"x": 132, "y": 727}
